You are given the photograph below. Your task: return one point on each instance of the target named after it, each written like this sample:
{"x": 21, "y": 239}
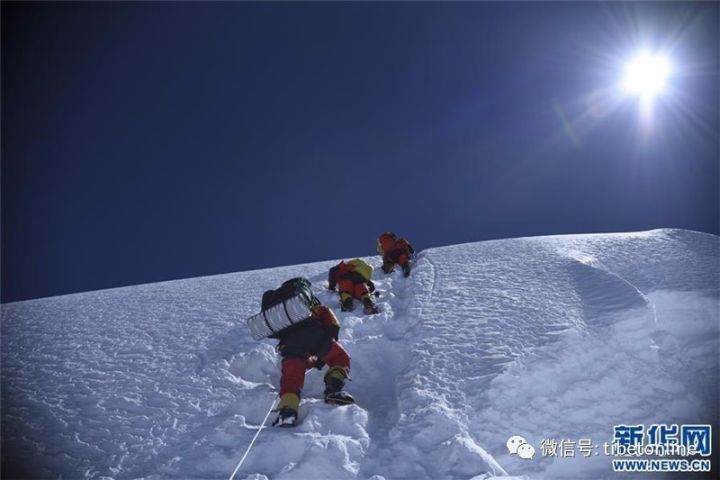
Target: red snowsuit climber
{"x": 311, "y": 344}
{"x": 354, "y": 280}
{"x": 395, "y": 251}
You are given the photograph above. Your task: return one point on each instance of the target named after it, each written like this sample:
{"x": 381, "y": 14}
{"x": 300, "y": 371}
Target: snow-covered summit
{"x": 546, "y": 337}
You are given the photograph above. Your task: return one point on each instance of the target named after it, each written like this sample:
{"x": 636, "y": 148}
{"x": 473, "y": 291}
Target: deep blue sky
{"x": 144, "y": 142}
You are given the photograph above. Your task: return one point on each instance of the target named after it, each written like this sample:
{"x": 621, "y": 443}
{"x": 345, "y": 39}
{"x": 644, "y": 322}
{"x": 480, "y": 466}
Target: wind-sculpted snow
{"x": 548, "y": 337}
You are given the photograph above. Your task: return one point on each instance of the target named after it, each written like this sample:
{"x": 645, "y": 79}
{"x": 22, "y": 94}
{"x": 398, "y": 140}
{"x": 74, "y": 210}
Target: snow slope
{"x": 547, "y": 337}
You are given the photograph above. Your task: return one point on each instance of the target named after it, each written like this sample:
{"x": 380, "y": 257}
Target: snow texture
{"x": 547, "y": 337}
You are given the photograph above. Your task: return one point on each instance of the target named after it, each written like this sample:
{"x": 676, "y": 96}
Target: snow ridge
{"x": 535, "y": 336}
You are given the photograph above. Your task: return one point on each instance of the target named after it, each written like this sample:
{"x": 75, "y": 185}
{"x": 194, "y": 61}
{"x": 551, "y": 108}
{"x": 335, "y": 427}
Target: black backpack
{"x": 295, "y": 287}
{"x": 300, "y": 287}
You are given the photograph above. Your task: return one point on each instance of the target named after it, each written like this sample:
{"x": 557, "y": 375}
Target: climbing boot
{"x": 346, "y": 302}
{"x": 287, "y": 410}
{"x": 334, "y": 383}
{"x": 369, "y": 307}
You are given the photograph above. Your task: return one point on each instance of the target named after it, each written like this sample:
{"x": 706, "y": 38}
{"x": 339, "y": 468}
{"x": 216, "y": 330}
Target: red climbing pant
{"x": 293, "y": 368}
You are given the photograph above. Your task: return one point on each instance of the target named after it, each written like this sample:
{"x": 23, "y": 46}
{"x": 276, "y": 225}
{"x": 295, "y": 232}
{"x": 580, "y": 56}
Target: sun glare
{"x": 646, "y": 74}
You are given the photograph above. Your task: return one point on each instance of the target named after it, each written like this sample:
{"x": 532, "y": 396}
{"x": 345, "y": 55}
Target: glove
{"x": 314, "y": 362}
{"x": 310, "y": 362}
{"x": 331, "y": 287}
{"x": 371, "y": 286}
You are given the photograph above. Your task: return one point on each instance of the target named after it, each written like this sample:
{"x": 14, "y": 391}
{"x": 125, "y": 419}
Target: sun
{"x": 647, "y": 74}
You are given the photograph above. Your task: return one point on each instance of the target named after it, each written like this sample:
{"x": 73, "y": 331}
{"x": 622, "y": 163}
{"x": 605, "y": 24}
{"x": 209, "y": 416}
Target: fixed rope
{"x": 252, "y": 442}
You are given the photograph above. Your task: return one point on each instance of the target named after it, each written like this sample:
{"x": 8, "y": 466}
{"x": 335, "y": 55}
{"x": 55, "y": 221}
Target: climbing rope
{"x": 252, "y": 442}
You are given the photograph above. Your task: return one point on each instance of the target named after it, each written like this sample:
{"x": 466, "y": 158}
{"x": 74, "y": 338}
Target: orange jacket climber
{"x": 354, "y": 280}
{"x": 312, "y": 344}
{"x": 395, "y": 251}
